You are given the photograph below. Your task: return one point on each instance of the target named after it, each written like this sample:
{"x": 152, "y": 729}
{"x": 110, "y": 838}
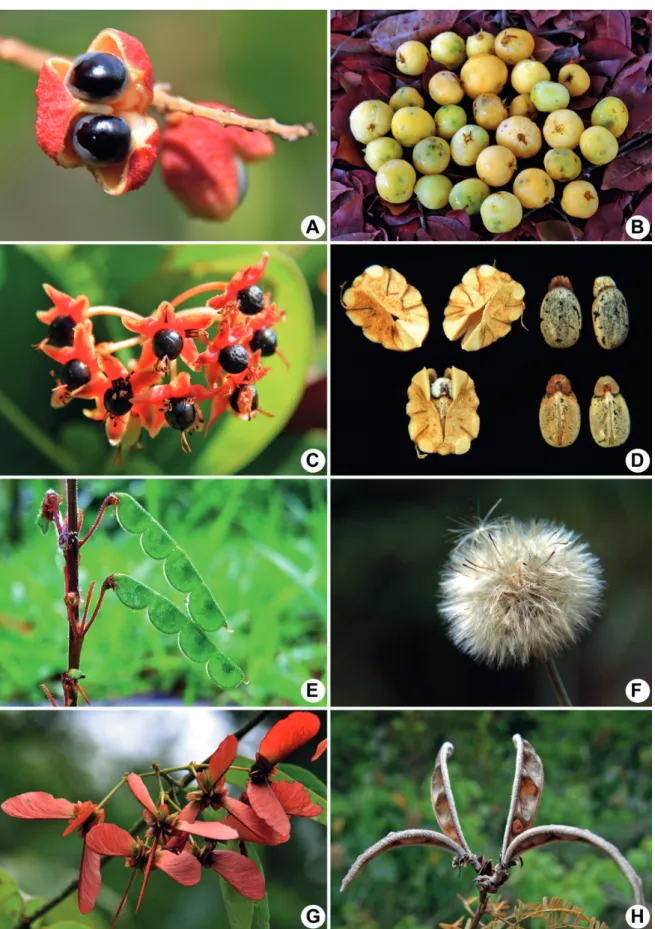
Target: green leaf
{"x": 223, "y": 671}
{"x": 165, "y": 616}
{"x": 43, "y": 523}
{"x": 262, "y": 914}
{"x": 204, "y": 610}
{"x": 67, "y": 924}
{"x": 239, "y": 909}
{"x": 195, "y": 644}
{"x": 304, "y": 777}
{"x": 131, "y": 593}
{"x": 180, "y": 573}
{"x": 11, "y": 903}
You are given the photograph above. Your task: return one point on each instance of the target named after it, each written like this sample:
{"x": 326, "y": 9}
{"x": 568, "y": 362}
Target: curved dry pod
{"x": 443, "y": 802}
{"x": 442, "y": 412}
{"x": 559, "y": 413}
{"x": 609, "y": 314}
{"x": 544, "y": 835}
{"x": 398, "y": 840}
{"x": 388, "y": 309}
{"x": 609, "y": 417}
{"x": 526, "y": 791}
{"x": 560, "y": 315}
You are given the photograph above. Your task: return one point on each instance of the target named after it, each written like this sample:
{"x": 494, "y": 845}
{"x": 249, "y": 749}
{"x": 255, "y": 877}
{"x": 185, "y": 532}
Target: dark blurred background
{"x": 41, "y": 440}
{"x": 261, "y": 547}
{"x": 390, "y": 541}
{"x": 369, "y": 429}
{"x": 82, "y": 756}
{"x": 261, "y": 62}
{"x": 597, "y": 776}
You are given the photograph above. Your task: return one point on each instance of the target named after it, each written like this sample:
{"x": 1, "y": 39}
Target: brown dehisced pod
{"x": 609, "y": 417}
{"x": 560, "y": 315}
{"x": 442, "y": 412}
{"x": 609, "y": 313}
{"x": 389, "y": 310}
{"x": 559, "y": 413}
{"x": 483, "y": 307}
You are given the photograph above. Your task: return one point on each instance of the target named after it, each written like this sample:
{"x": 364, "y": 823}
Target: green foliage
{"x": 62, "y": 441}
{"x": 276, "y": 608}
{"x": 597, "y": 776}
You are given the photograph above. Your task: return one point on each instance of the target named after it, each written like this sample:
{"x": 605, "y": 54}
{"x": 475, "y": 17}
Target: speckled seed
{"x": 560, "y": 314}
{"x": 609, "y": 313}
{"x": 559, "y": 413}
{"x": 609, "y": 417}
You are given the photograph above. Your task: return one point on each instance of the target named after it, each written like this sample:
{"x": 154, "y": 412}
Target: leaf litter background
{"x": 613, "y": 46}
{"x": 260, "y": 547}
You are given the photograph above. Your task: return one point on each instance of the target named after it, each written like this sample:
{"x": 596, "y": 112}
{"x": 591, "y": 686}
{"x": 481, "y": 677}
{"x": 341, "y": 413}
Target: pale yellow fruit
{"x": 496, "y": 165}
{"x": 523, "y": 106}
{"x": 563, "y": 129}
{"x": 445, "y": 87}
{"x": 520, "y": 135}
{"x": 562, "y": 164}
{"x": 448, "y": 49}
{"x": 431, "y": 155}
{"x": 575, "y": 79}
{"x": 579, "y": 199}
{"x": 526, "y": 74}
{"x": 412, "y": 58}
{"x": 467, "y": 143}
{"x": 433, "y": 191}
{"x": 395, "y": 181}
{"x": 612, "y": 114}
{"x": 513, "y": 45}
{"x": 598, "y": 145}
{"x": 482, "y": 43}
{"x": 405, "y": 96}
{"x": 534, "y": 188}
{"x": 489, "y": 111}
{"x": 370, "y": 119}
{"x": 379, "y": 151}
{"x": 483, "y": 74}
{"x": 411, "y": 124}
{"x": 501, "y": 212}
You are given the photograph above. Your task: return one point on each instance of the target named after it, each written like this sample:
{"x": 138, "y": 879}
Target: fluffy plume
{"x": 513, "y": 591}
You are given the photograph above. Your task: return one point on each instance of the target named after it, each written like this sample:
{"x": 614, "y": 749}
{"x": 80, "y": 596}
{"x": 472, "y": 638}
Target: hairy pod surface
{"x": 559, "y": 413}
{"x": 560, "y": 315}
{"x": 609, "y": 417}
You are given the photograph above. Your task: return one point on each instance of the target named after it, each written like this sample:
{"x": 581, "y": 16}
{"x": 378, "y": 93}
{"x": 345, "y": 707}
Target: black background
{"x": 369, "y": 383}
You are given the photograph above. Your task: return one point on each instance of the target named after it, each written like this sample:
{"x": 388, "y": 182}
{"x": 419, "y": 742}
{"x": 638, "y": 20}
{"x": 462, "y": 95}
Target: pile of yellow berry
{"x": 479, "y": 69}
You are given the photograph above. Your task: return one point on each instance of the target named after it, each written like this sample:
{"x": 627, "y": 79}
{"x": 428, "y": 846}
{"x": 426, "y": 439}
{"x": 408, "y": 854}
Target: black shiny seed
{"x": 167, "y": 343}
{"x": 61, "y": 331}
{"x": 118, "y": 398}
{"x": 250, "y": 300}
{"x": 102, "y": 140}
{"x": 181, "y": 414}
{"x": 76, "y": 374}
{"x": 97, "y": 76}
{"x": 264, "y": 341}
{"x": 239, "y": 392}
{"x": 233, "y": 359}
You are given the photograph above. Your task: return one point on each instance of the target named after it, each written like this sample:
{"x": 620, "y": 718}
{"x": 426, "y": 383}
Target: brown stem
{"x": 32, "y": 59}
{"x": 481, "y": 910}
{"x": 72, "y": 560}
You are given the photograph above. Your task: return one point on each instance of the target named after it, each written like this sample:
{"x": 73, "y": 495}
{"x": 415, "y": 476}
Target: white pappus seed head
{"x": 513, "y": 592}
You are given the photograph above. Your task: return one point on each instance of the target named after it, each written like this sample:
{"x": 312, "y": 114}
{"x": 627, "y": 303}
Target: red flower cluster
{"x": 149, "y": 392}
{"x": 169, "y": 843}
{"x": 93, "y": 112}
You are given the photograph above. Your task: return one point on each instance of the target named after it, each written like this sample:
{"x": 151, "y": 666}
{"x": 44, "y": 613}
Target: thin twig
{"x": 72, "y": 559}
{"x": 558, "y": 684}
{"x": 31, "y": 58}
{"x": 481, "y": 910}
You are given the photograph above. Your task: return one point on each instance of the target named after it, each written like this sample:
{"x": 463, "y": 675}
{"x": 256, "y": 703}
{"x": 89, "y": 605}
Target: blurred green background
{"x": 263, "y": 63}
{"x": 82, "y": 756}
{"x": 597, "y": 776}
{"x": 390, "y": 541}
{"x": 260, "y": 545}
{"x": 41, "y": 440}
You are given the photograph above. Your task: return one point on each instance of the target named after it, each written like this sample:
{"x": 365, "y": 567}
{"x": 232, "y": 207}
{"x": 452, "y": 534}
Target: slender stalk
{"x": 558, "y": 684}
{"x": 72, "y": 559}
{"x": 481, "y": 910}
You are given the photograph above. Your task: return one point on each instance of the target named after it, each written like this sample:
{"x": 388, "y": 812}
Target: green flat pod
{"x": 131, "y": 515}
{"x": 156, "y": 542}
{"x": 224, "y": 672}
{"x": 180, "y": 573}
{"x": 204, "y": 610}
{"x": 165, "y": 616}
{"x": 194, "y": 643}
{"x": 131, "y": 593}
